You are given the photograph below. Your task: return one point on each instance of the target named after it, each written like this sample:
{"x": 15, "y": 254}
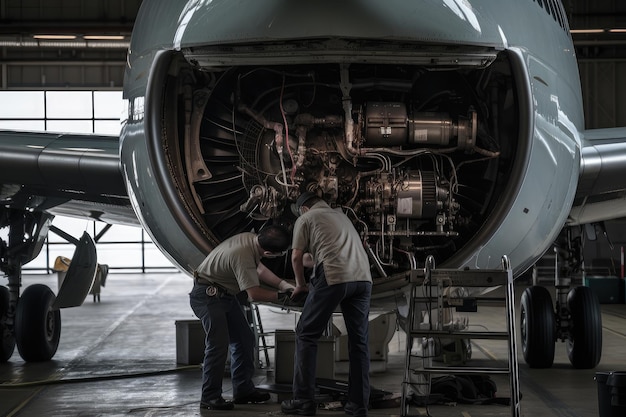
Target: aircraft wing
{"x": 75, "y": 175}
{"x": 601, "y": 192}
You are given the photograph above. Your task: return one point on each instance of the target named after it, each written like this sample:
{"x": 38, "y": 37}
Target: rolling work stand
{"x": 433, "y": 289}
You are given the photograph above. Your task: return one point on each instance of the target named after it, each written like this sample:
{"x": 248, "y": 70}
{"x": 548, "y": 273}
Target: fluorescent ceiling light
{"x": 56, "y": 37}
{"x": 104, "y": 37}
{"x": 617, "y": 30}
{"x": 586, "y": 30}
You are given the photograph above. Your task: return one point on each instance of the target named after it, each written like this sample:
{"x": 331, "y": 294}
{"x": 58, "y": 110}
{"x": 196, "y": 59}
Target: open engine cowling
{"x": 419, "y": 157}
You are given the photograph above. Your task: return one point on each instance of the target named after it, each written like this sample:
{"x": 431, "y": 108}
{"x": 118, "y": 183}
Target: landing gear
{"x": 28, "y": 321}
{"x": 33, "y": 320}
{"x": 38, "y": 324}
{"x": 538, "y": 327}
{"x": 584, "y": 346}
{"x": 575, "y": 319}
{"x": 578, "y": 322}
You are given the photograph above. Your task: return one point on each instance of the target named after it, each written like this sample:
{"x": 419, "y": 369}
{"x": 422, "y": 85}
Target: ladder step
{"x": 483, "y": 301}
{"x": 463, "y": 370}
{"x": 461, "y": 334}
{"x": 419, "y": 374}
{"x": 470, "y": 278}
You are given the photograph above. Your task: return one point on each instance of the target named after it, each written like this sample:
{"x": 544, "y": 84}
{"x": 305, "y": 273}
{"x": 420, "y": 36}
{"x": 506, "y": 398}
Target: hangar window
{"x": 559, "y": 13}
{"x": 22, "y": 110}
{"x": 61, "y": 111}
{"x": 123, "y": 248}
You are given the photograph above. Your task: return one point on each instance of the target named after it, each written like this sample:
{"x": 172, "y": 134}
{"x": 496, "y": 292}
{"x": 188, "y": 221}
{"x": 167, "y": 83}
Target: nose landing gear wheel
{"x": 37, "y": 325}
{"x": 584, "y": 347}
{"x": 538, "y": 327}
{"x": 7, "y": 340}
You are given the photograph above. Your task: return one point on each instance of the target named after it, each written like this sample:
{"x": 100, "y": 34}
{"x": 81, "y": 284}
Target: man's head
{"x": 306, "y": 199}
{"x": 274, "y": 239}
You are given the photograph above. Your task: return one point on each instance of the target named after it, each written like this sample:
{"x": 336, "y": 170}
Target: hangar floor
{"x": 118, "y": 357}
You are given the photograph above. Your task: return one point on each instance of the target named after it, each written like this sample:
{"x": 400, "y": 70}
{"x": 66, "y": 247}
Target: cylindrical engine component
{"x": 417, "y": 196}
{"x": 431, "y": 129}
{"x": 385, "y": 124}
{"x": 390, "y": 124}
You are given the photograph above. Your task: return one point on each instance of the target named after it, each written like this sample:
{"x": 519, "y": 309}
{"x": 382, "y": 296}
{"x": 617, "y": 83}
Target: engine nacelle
{"x": 417, "y": 167}
{"x": 391, "y": 158}
{"x": 428, "y": 146}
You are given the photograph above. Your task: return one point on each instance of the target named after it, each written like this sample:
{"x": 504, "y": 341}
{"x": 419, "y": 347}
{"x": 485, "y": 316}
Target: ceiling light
{"x": 55, "y": 37}
{"x": 617, "y": 30}
{"x": 587, "y": 31}
{"x": 104, "y": 37}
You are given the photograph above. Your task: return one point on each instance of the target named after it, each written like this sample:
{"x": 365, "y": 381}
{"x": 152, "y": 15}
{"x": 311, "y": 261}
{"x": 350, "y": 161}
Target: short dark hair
{"x": 303, "y": 198}
{"x": 310, "y": 202}
{"x": 274, "y": 238}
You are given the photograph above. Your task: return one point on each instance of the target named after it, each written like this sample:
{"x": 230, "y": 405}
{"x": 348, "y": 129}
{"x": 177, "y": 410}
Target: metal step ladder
{"x": 260, "y": 337}
{"x": 432, "y": 288}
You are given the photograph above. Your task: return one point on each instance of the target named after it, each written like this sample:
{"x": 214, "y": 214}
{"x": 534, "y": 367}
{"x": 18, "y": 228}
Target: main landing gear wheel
{"x": 538, "y": 326}
{"x": 7, "y": 340}
{"x": 37, "y": 325}
{"x": 584, "y": 347}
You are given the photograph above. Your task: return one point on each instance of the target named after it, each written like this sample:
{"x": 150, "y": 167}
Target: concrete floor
{"x": 118, "y": 358}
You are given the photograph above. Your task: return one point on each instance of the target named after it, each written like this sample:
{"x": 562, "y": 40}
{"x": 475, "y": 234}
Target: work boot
{"x": 299, "y": 407}
{"x": 217, "y": 404}
{"x": 254, "y": 397}
{"x": 352, "y": 409}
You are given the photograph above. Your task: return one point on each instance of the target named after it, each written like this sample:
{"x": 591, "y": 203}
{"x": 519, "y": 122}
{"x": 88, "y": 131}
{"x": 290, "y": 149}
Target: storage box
{"x": 381, "y": 330}
{"x": 189, "y": 342}
{"x": 285, "y": 341}
{"x": 606, "y": 288}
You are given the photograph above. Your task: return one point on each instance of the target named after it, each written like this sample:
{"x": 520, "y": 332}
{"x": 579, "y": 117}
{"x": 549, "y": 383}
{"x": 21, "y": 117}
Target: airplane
{"x": 444, "y": 128}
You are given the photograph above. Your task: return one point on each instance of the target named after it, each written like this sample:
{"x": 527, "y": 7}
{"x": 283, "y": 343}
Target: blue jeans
{"x": 322, "y": 301}
{"x": 226, "y": 326}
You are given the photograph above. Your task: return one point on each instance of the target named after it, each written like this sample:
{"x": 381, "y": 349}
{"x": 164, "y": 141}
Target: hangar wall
{"x": 89, "y": 50}
{"x": 604, "y": 92}
{"x": 95, "y": 57}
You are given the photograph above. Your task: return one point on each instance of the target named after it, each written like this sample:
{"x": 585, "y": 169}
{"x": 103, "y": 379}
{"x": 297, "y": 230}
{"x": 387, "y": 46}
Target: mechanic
{"x": 341, "y": 278}
{"x": 231, "y": 267}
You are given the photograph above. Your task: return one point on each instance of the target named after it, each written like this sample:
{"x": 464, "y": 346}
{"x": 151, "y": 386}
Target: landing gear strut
{"x": 576, "y": 318}
{"x": 31, "y": 322}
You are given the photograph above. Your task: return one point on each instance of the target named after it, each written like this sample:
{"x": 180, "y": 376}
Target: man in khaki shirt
{"x": 231, "y": 267}
{"x": 341, "y": 279}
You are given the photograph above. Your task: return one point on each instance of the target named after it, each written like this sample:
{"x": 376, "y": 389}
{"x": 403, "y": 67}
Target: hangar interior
{"x": 49, "y": 47}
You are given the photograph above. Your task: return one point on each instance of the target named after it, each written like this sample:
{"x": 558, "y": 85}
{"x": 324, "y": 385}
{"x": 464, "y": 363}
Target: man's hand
{"x": 284, "y": 286}
{"x": 287, "y": 299}
{"x": 299, "y": 294}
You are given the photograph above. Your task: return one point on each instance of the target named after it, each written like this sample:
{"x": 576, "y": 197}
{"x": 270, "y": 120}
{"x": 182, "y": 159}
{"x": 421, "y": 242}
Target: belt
{"x": 212, "y": 288}
{"x": 203, "y": 281}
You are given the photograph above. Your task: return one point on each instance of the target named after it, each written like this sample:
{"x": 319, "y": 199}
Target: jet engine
{"x": 418, "y": 157}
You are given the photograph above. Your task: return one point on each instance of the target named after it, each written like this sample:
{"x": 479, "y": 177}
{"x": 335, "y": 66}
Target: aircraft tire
{"x": 584, "y": 347}
{"x": 37, "y": 325}
{"x": 7, "y": 340}
{"x": 538, "y": 327}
